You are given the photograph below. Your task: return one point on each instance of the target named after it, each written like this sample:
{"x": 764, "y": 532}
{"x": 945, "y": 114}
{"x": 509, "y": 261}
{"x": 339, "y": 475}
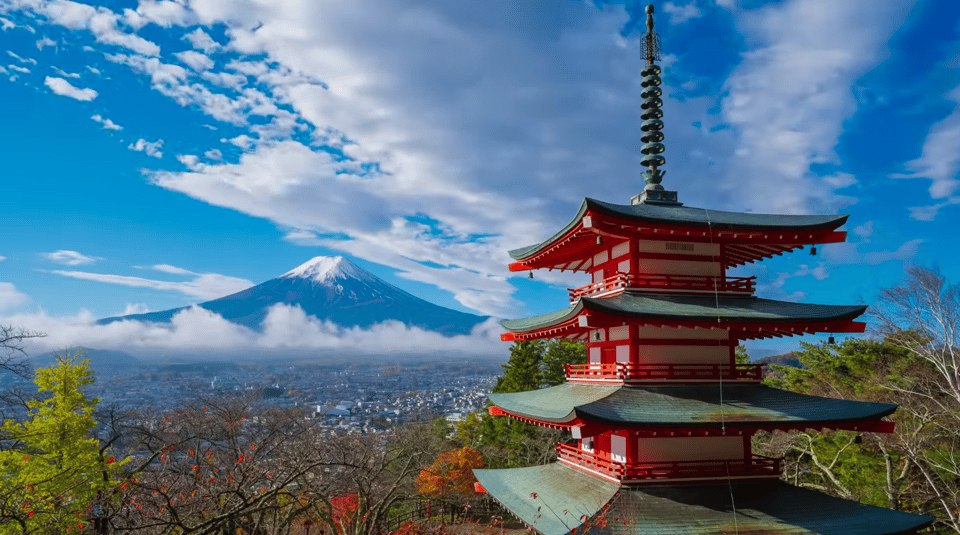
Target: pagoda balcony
{"x": 754, "y": 467}
{"x": 623, "y": 372}
{"x": 682, "y": 284}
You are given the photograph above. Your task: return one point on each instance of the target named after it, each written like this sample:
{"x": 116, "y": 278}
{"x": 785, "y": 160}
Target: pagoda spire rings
{"x": 652, "y": 126}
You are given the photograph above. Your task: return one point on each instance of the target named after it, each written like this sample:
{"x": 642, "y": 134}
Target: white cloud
{"x": 243, "y": 141}
{"x": 864, "y": 231}
{"x": 63, "y": 87}
{"x": 213, "y": 154}
{"x": 849, "y": 253}
{"x": 284, "y": 327}
{"x": 10, "y": 297}
{"x": 6, "y": 24}
{"x": 107, "y": 123}
{"x": 46, "y": 41}
{"x": 189, "y": 160}
{"x": 788, "y": 100}
{"x": 681, "y": 14}
{"x": 18, "y": 68}
{"x": 204, "y": 286}
{"x": 167, "y": 268}
{"x": 94, "y": 70}
{"x": 774, "y": 288}
{"x": 939, "y": 161}
{"x": 195, "y": 60}
{"x": 201, "y": 41}
{"x": 929, "y": 213}
{"x": 64, "y": 73}
{"x": 31, "y": 61}
{"x": 2, "y": 258}
{"x": 70, "y": 258}
{"x": 161, "y": 12}
{"x": 100, "y": 21}
{"x": 134, "y": 308}
{"x": 150, "y": 149}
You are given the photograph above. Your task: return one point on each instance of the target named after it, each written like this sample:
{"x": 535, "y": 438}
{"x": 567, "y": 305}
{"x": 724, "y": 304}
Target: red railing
{"x": 623, "y": 371}
{"x": 690, "y": 283}
{"x": 756, "y": 466}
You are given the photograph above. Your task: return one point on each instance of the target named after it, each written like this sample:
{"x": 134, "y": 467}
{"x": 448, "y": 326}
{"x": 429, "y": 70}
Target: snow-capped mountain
{"x": 329, "y": 288}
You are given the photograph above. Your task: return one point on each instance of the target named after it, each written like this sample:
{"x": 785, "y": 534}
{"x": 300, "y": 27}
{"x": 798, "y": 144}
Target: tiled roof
{"x": 692, "y": 308}
{"x": 695, "y": 217}
{"x": 684, "y": 405}
{"x": 564, "y": 494}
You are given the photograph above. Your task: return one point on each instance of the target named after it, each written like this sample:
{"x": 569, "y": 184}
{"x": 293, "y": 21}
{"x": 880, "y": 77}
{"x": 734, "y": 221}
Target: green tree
{"x": 522, "y": 371}
{"x": 556, "y": 355}
{"x": 740, "y": 355}
{"x": 503, "y": 441}
{"x": 870, "y": 468}
{"x": 53, "y": 469}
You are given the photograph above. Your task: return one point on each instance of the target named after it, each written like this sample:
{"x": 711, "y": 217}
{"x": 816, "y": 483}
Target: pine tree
{"x": 53, "y": 471}
{"x": 522, "y": 371}
{"x": 557, "y": 353}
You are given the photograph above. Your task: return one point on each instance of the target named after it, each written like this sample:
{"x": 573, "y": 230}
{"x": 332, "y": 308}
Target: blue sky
{"x": 161, "y": 153}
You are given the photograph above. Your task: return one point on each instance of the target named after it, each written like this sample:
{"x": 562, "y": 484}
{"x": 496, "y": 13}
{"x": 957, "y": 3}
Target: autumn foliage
{"x": 451, "y": 474}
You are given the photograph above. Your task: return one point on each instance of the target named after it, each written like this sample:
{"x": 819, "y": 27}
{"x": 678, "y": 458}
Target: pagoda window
{"x": 619, "y": 250}
{"x": 618, "y": 448}
{"x": 598, "y": 275}
{"x": 623, "y": 353}
{"x": 598, "y": 335}
{"x": 595, "y": 353}
{"x": 600, "y": 258}
{"x": 624, "y": 267}
{"x": 586, "y": 444}
{"x": 620, "y": 333}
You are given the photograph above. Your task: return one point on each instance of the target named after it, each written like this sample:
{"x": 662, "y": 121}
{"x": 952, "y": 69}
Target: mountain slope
{"x": 329, "y": 288}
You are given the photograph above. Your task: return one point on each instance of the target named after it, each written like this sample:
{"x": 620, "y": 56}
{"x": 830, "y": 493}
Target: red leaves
{"x": 110, "y": 460}
{"x": 452, "y": 472}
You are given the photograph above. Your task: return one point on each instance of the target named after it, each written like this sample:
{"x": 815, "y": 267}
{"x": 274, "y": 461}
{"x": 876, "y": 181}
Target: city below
{"x": 347, "y": 394}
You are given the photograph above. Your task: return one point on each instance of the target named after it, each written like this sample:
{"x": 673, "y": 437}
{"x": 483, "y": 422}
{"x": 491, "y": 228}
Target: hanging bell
{"x": 813, "y": 251}
{"x": 531, "y": 274}
{"x": 599, "y": 240}
{"x": 831, "y": 340}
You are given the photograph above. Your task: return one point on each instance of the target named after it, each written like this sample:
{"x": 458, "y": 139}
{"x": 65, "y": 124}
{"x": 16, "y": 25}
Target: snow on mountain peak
{"x": 326, "y": 268}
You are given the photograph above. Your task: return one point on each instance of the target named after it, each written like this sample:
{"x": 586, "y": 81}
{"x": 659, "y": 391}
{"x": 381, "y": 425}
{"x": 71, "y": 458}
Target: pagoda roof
{"x": 660, "y": 309}
{"x": 555, "y": 499}
{"x": 685, "y": 406}
{"x": 714, "y": 221}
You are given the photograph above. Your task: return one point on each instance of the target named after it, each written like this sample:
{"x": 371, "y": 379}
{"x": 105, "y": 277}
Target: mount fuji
{"x": 329, "y": 288}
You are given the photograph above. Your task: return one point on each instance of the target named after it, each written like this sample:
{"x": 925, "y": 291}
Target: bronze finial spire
{"x": 653, "y": 192}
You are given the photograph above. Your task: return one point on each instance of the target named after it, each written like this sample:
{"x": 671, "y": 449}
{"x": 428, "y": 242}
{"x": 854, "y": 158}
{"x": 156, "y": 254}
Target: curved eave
{"x": 711, "y": 224}
{"x": 751, "y": 316}
{"x": 685, "y": 406}
{"x": 555, "y": 500}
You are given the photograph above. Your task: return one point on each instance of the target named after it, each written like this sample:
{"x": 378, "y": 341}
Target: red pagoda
{"x": 662, "y": 415}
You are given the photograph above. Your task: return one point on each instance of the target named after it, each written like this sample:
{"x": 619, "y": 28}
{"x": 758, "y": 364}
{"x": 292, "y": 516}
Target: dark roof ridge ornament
{"x": 653, "y": 192}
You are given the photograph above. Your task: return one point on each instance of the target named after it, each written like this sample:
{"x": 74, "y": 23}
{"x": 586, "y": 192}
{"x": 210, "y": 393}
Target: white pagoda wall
{"x": 689, "y": 449}
{"x": 665, "y": 449}
{"x": 602, "y": 346}
{"x": 635, "y": 257}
